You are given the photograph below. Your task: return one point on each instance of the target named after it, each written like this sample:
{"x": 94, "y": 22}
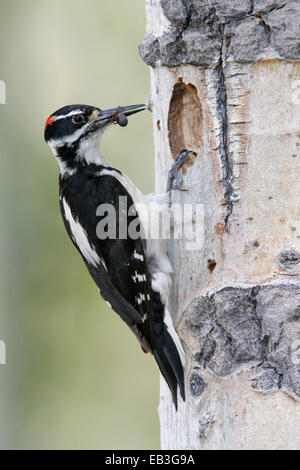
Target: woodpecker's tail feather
{"x": 170, "y": 366}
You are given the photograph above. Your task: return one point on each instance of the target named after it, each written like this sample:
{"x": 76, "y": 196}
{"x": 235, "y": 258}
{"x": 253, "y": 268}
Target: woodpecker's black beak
{"x": 119, "y": 115}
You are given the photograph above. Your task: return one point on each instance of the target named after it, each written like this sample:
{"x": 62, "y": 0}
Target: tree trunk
{"x": 225, "y": 83}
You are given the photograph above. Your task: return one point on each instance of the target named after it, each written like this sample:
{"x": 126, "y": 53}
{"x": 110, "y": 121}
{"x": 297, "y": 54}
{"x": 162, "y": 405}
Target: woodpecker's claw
{"x": 175, "y": 179}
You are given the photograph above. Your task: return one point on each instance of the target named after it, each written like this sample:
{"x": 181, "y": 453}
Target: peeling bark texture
{"x": 251, "y": 30}
{"x": 238, "y": 324}
{"x": 225, "y": 79}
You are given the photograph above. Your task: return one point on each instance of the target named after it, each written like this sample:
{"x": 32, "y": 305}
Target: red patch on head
{"x": 49, "y": 121}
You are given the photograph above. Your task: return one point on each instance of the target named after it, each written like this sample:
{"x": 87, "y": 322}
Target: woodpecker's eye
{"x": 78, "y": 119}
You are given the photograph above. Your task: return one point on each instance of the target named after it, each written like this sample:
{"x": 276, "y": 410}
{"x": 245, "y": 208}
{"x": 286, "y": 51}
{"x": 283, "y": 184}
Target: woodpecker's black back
{"x": 121, "y": 272}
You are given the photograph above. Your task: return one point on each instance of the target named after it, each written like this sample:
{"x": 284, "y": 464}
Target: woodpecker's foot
{"x": 175, "y": 179}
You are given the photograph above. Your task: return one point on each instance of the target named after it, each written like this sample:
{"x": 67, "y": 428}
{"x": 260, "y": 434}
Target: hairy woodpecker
{"x": 133, "y": 274}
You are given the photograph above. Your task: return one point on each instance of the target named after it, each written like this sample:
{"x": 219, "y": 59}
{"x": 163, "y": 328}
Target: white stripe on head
{"x": 68, "y": 139}
{"x": 75, "y": 112}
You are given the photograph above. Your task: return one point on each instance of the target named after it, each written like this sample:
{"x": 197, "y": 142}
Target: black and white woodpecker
{"x": 132, "y": 275}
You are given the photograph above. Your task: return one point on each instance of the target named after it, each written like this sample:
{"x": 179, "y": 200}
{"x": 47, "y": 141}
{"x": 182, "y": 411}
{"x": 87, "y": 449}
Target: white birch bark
{"x": 235, "y": 301}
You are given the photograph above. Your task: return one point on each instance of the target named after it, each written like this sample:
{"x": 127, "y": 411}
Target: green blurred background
{"x": 75, "y": 375}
